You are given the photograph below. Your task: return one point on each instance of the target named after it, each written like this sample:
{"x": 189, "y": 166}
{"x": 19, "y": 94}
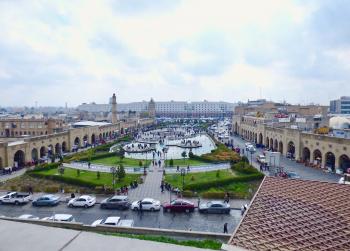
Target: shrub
{"x": 140, "y": 163}
{"x": 171, "y": 162}
{"x": 187, "y": 193}
{"x": 121, "y": 172}
{"x": 52, "y": 189}
{"x": 98, "y": 175}
{"x": 203, "y": 185}
{"x": 217, "y": 174}
{"x": 245, "y": 159}
{"x": 244, "y": 168}
{"x": 78, "y": 172}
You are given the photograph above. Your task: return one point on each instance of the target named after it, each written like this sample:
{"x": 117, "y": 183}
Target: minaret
{"x": 152, "y": 108}
{"x": 114, "y": 109}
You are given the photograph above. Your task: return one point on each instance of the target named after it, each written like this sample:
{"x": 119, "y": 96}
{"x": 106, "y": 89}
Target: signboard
{"x": 284, "y": 120}
{"x": 300, "y": 120}
{"x": 273, "y": 159}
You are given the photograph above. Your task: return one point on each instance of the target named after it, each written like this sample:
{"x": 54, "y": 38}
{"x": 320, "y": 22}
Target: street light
{"x": 183, "y": 173}
{"x": 113, "y": 171}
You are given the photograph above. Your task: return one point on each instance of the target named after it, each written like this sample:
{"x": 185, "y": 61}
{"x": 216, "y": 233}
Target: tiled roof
{"x": 289, "y": 214}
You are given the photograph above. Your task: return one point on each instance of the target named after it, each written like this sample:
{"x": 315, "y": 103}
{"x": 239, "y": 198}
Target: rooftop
{"x": 288, "y": 214}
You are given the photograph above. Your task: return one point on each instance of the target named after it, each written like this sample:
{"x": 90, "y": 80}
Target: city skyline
{"x": 173, "y": 50}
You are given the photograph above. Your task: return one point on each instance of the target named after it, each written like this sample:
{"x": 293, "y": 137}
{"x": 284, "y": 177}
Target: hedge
{"x": 99, "y": 156}
{"x": 68, "y": 180}
{"x": 198, "y": 186}
{"x": 244, "y": 168}
{"x": 46, "y": 166}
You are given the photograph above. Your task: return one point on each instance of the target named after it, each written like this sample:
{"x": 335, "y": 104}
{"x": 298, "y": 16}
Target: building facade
{"x": 323, "y": 151}
{"x": 340, "y": 106}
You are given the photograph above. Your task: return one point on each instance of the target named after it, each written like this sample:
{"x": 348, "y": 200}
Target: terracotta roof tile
{"x": 296, "y": 215}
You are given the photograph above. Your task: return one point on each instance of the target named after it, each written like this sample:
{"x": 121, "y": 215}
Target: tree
{"x": 98, "y": 175}
{"x": 61, "y": 170}
{"x": 171, "y": 162}
{"x": 190, "y": 155}
{"x": 78, "y": 172}
{"x": 121, "y": 154}
{"x": 140, "y": 163}
{"x": 184, "y": 155}
{"x": 245, "y": 159}
{"x": 218, "y": 174}
{"x": 121, "y": 172}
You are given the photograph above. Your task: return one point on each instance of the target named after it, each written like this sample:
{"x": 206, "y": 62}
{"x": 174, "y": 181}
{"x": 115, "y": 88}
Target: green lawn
{"x": 186, "y": 162}
{"x": 115, "y": 160}
{"x": 176, "y": 179}
{"x": 239, "y": 190}
{"x": 105, "y": 178}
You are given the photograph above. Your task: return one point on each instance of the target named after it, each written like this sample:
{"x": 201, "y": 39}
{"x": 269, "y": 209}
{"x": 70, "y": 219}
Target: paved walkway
{"x": 12, "y": 175}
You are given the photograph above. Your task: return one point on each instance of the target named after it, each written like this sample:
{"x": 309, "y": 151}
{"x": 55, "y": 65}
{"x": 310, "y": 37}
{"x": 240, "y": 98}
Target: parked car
{"x": 28, "y": 216}
{"x": 261, "y": 159}
{"x": 179, "y": 206}
{"x": 250, "y": 148}
{"x": 148, "y": 204}
{"x": 113, "y": 221}
{"x": 46, "y": 200}
{"x": 60, "y": 217}
{"x": 82, "y": 201}
{"x": 292, "y": 175}
{"x": 217, "y": 207}
{"x": 15, "y": 198}
{"x": 116, "y": 202}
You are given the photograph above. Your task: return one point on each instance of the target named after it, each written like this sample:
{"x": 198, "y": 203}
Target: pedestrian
{"x": 30, "y": 190}
{"x": 89, "y": 164}
{"x": 177, "y": 169}
{"x": 188, "y": 169}
{"x": 140, "y": 206}
{"x": 227, "y": 197}
{"x": 198, "y": 201}
{"x": 225, "y": 228}
{"x": 162, "y": 187}
{"x": 261, "y": 167}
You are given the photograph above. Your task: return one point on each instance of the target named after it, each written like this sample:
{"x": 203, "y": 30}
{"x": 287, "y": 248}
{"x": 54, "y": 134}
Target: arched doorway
{"x": 42, "y": 151}
{"x": 77, "y": 141}
{"x": 34, "y": 154}
{"x": 100, "y": 137}
{"x": 267, "y": 142}
{"x": 58, "y": 149}
{"x": 64, "y": 146}
{"x": 93, "y": 140}
{"x": 260, "y": 141}
{"x": 330, "y": 161}
{"x": 344, "y": 162}
{"x": 122, "y": 130}
{"x": 275, "y": 145}
{"x": 236, "y": 128}
{"x": 271, "y": 143}
{"x": 19, "y": 159}
{"x": 306, "y": 154}
{"x": 317, "y": 157}
{"x": 85, "y": 140}
{"x": 1, "y": 163}
{"x": 291, "y": 150}
{"x": 280, "y": 147}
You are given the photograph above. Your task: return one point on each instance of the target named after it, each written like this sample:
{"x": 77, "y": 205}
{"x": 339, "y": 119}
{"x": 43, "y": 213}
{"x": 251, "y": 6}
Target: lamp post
{"x": 113, "y": 171}
{"x": 183, "y": 173}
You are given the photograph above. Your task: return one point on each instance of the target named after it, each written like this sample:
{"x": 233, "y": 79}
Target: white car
{"x": 113, "y": 221}
{"x": 28, "y": 216}
{"x": 261, "y": 159}
{"x": 60, "y": 217}
{"x": 250, "y": 148}
{"x": 147, "y": 204}
{"x": 82, "y": 201}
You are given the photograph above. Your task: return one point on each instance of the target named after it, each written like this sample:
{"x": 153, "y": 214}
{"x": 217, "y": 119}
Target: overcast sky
{"x": 82, "y": 51}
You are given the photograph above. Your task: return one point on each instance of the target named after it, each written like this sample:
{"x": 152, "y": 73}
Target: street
{"x": 304, "y": 172}
{"x": 182, "y": 221}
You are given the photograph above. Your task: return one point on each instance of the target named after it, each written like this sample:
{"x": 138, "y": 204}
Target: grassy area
{"x": 186, "y": 162}
{"x": 221, "y": 154}
{"x": 215, "y": 184}
{"x": 115, "y": 160}
{"x": 191, "y": 178}
{"x": 86, "y": 178}
{"x": 207, "y": 244}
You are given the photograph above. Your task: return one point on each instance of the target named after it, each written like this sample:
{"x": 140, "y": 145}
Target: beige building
{"x": 17, "y": 127}
{"x": 322, "y": 151}
{"x": 22, "y": 151}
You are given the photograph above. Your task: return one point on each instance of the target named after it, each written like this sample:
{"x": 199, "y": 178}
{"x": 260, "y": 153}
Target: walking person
{"x": 89, "y": 164}
{"x": 227, "y": 197}
{"x": 225, "y": 228}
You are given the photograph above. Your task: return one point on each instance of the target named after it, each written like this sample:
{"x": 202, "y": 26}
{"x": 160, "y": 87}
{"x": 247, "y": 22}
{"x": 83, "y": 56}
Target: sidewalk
{"x": 12, "y": 175}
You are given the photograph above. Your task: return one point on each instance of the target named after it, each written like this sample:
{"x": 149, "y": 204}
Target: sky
{"x": 53, "y": 52}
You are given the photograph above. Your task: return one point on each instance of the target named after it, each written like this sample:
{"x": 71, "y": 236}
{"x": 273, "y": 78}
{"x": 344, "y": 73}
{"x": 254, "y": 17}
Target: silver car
{"x": 215, "y": 207}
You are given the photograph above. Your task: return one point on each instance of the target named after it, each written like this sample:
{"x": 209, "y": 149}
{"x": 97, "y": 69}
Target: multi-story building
{"x": 19, "y": 127}
{"x": 340, "y": 106}
{"x": 173, "y": 109}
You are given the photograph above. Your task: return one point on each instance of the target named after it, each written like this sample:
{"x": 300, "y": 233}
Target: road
{"x": 182, "y": 221}
{"x": 307, "y": 173}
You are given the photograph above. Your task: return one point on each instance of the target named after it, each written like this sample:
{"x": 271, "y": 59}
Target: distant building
{"x": 340, "y": 106}
{"x": 152, "y": 108}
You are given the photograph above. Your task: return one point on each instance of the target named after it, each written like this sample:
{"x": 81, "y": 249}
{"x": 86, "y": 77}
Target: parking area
{"x": 183, "y": 221}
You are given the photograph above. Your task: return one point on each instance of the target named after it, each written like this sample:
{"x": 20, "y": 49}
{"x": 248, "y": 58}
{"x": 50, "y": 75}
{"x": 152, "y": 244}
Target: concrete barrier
{"x": 177, "y": 234}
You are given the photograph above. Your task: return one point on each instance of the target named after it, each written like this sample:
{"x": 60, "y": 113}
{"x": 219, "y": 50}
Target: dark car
{"x": 116, "y": 202}
{"x": 215, "y": 207}
{"x": 179, "y": 206}
{"x": 46, "y": 200}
